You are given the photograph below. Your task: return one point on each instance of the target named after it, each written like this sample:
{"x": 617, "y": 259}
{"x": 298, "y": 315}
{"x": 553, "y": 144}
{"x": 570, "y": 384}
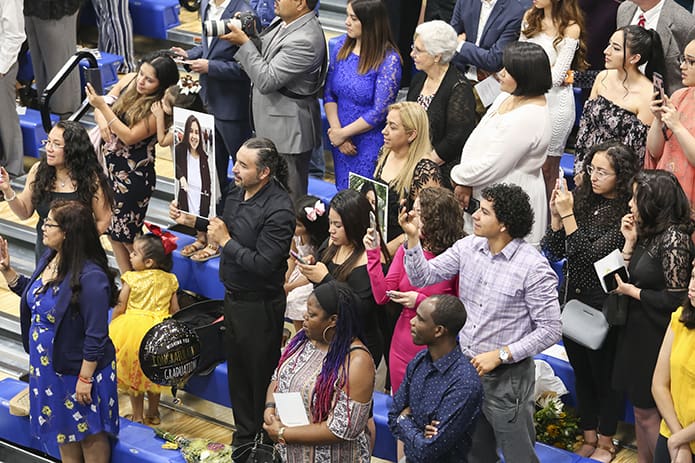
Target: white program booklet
{"x": 488, "y": 89}
{"x": 608, "y": 267}
{"x": 290, "y": 408}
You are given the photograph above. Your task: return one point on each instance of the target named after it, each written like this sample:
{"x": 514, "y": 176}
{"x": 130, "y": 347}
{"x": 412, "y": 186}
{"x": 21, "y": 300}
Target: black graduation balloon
{"x": 169, "y": 353}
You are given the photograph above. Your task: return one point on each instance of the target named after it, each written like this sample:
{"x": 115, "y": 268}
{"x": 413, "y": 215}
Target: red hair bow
{"x": 168, "y": 238}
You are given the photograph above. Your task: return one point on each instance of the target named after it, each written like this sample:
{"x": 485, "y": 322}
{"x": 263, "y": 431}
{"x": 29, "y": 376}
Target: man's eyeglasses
{"x": 600, "y": 173}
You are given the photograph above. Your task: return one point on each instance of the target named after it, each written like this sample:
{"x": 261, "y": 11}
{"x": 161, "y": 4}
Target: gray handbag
{"x": 584, "y": 325}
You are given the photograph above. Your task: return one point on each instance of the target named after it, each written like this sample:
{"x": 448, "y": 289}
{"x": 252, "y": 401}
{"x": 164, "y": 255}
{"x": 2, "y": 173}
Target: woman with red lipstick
{"x": 585, "y": 227}
{"x": 129, "y": 131}
{"x": 659, "y": 253}
{"x": 362, "y": 81}
{"x": 619, "y": 104}
{"x": 671, "y": 138}
{"x": 68, "y": 171}
{"x": 558, "y": 27}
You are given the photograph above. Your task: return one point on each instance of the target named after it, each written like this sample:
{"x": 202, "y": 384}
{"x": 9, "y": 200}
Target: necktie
{"x": 641, "y": 21}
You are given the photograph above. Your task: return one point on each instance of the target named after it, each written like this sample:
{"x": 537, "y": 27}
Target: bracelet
{"x": 111, "y": 121}
{"x": 563, "y": 217}
{"x": 270, "y": 405}
{"x": 82, "y": 379}
{"x": 281, "y": 436}
{"x": 14, "y": 196}
{"x": 14, "y": 281}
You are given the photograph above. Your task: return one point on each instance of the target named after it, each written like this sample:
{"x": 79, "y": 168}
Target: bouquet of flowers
{"x": 198, "y": 450}
{"x": 555, "y": 426}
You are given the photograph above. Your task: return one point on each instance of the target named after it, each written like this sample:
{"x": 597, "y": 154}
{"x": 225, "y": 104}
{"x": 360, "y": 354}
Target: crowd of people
{"x": 456, "y": 297}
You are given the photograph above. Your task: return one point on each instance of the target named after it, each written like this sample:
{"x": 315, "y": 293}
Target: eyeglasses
{"x": 416, "y": 50}
{"x": 688, "y": 61}
{"x": 52, "y": 144}
{"x": 50, "y": 225}
{"x": 600, "y": 173}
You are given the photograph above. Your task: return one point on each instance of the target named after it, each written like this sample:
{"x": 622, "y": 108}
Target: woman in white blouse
{"x": 510, "y": 143}
{"x": 557, "y": 26}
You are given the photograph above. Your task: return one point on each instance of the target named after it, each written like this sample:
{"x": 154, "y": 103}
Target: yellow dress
{"x": 148, "y": 304}
{"x": 682, "y": 363}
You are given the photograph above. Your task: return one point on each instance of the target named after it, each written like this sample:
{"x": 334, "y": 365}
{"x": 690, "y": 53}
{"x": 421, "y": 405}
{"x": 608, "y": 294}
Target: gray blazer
{"x": 676, "y": 28}
{"x": 291, "y": 58}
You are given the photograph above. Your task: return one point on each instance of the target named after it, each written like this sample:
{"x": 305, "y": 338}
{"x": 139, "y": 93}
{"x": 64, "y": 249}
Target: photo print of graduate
{"x": 195, "y": 187}
{"x": 377, "y": 194}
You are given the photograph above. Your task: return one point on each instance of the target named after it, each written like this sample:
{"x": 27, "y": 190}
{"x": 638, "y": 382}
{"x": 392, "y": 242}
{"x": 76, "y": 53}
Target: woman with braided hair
{"x": 329, "y": 365}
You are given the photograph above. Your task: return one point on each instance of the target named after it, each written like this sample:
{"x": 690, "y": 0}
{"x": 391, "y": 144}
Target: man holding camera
{"x": 287, "y": 73}
{"x": 224, "y": 86}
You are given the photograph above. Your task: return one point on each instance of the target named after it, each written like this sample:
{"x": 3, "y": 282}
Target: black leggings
{"x": 661, "y": 454}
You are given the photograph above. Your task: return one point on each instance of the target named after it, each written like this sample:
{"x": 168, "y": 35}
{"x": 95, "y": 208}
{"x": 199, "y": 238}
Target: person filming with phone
{"x": 671, "y": 138}
{"x": 585, "y": 227}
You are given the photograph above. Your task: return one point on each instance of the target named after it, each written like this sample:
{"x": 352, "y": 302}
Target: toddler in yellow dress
{"x": 147, "y": 297}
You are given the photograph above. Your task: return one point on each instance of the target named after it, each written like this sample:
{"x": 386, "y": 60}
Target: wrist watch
{"x": 401, "y": 417}
{"x": 504, "y": 355}
{"x": 281, "y": 438}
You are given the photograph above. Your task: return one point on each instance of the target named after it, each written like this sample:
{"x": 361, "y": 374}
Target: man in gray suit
{"x": 675, "y": 25}
{"x": 286, "y": 75}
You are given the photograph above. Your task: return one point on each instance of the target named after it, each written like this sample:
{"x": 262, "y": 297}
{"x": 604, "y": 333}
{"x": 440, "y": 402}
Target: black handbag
{"x": 257, "y": 452}
{"x": 615, "y": 309}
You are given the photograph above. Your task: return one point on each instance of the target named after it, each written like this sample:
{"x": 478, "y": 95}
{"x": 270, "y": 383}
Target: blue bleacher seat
{"x": 151, "y": 18}
{"x": 32, "y": 131}
{"x": 199, "y": 277}
{"x": 136, "y": 442}
{"x": 212, "y": 387}
{"x": 578, "y": 105}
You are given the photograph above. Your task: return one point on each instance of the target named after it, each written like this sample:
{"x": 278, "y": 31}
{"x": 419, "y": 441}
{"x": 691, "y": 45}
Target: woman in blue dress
{"x": 73, "y": 402}
{"x": 363, "y": 80}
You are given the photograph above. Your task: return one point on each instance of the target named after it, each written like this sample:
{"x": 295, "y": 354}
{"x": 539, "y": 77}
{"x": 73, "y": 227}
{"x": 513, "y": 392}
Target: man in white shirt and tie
{"x": 675, "y": 25}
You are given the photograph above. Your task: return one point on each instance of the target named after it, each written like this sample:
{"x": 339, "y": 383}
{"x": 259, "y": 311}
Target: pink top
{"x": 397, "y": 279}
{"x": 672, "y": 158}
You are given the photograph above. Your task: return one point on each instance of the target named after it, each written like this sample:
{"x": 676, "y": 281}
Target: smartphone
{"x": 658, "y": 82}
{"x": 473, "y": 205}
{"x": 560, "y": 183}
{"x": 298, "y": 257}
{"x": 372, "y": 220}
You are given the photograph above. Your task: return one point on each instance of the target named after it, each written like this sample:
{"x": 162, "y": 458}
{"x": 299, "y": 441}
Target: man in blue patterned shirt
{"x": 509, "y": 291}
{"x": 435, "y": 408}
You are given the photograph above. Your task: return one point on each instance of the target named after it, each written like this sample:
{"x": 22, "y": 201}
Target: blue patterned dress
{"x": 55, "y": 415}
{"x": 361, "y": 95}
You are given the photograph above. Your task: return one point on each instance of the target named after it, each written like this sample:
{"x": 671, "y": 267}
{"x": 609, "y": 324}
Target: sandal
{"x": 208, "y": 252}
{"x": 587, "y": 448}
{"x": 154, "y": 420}
{"x": 192, "y": 248}
{"x": 611, "y": 453}
{"x": 129, "y": 416}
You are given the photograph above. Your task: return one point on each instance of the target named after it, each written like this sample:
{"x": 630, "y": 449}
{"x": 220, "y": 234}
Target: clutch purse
{"x": 584, "y": 325}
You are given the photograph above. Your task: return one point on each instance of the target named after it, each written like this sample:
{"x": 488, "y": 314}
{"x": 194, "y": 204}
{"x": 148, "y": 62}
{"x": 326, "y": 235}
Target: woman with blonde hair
{"x": 557, "y": 26}
{"x": 129, "y": 131}
{"x": 403, "y": 163}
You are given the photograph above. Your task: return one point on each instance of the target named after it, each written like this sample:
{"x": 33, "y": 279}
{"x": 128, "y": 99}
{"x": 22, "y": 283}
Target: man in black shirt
{"x": 254, "y": 232}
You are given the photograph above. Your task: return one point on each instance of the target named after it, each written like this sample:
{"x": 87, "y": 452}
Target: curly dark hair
{"x": 82, "y": 166}
{"x": 153, "y": 248}
{"x": 661, "y": 203}
{"x": 512, "y": 208}
{"x": 688, "y": 314}
{"x": 449, "y": 312}
{"x": 81, "y": 245}
{"x": 624, "y": 162}
{"x": 441, "y": 217}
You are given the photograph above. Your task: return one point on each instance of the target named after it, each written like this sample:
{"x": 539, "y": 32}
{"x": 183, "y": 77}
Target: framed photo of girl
{"x": 377, "y": 194}
{"x": 195, "y": 186}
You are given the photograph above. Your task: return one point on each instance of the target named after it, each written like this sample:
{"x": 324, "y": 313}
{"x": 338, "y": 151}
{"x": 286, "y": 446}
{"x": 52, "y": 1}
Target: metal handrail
{"x": 59, "y": 78}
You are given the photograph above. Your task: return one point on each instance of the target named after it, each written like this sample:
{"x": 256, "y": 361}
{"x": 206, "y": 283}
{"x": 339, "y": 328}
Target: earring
{"x": 503, "y": 229}
{"x": 324, "y": 334}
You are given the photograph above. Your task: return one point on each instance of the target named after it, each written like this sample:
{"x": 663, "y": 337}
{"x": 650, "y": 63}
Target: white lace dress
{"x": 560, "y": 97}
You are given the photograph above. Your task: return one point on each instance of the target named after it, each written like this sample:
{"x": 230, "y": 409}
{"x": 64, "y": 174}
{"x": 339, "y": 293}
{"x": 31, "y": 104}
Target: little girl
{"x": 309, "y": 233}
{"x": 185, "y": 94}
{"x": 148, "y": 295}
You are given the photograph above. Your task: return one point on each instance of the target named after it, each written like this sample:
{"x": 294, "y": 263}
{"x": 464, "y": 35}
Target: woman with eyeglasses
{"x": 585, "y": 227}
{"x": 618, "y": 107}
{"x": 671, "y": 138}
{"x": 63, "y": 312}
{"x": 659, "y": 252}
{"x": 68, "y": 171}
